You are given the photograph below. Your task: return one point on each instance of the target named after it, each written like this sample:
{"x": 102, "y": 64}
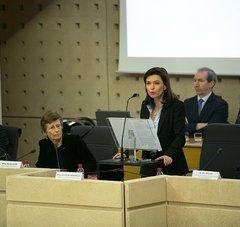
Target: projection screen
{"x": 181, "y": 36}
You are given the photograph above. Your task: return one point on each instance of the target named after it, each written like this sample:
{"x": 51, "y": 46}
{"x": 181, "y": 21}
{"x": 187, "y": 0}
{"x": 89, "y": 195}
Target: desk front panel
{"x": 4, "y": 173}
{"x": 45, "y": 201}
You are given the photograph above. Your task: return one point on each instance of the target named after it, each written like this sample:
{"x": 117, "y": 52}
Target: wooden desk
{"x": 4, "y": 173}
{"x": 192, "y": 153}
{"x": 45, "y": 201}
{"x": 149, "y": 202}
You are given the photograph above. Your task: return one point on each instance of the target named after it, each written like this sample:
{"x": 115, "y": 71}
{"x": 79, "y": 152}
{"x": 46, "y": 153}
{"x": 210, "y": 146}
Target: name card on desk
{"x": 69, "y": 176}
{"x": 203, "y": 174}
{"x": 11, "y": 164}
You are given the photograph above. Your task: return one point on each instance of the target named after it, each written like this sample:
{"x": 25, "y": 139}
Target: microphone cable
{"x": 56, "y": 150}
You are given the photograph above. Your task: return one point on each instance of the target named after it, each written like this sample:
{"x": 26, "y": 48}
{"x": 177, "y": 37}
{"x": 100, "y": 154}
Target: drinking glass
{"x": 187, "y": 136}
{"x": 198, "y": 137}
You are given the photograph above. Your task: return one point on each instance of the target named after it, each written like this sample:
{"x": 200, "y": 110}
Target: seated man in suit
{"x": 205, "y": 107}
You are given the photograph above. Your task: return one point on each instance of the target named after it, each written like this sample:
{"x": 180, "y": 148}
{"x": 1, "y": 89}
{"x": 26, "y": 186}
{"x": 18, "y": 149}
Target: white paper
{"x": 146, "y": 137}
{"x": 11, "y": 164}
{"x": 69, "y": 175}
{"x": 203, "y": 174}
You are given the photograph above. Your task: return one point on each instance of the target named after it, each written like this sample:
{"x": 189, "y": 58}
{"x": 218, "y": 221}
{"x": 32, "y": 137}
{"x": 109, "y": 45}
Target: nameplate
{"x": 69, "y": 176}
{"x": 10, "y": 164}
{"x": 203, "y": 174}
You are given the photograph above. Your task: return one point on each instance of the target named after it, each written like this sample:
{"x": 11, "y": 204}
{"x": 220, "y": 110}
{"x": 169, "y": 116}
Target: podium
{"x": 113, "y": 169}
{"x": 149, "y": 202}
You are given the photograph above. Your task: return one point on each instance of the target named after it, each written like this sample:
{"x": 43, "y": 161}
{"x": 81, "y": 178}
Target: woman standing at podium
{"x": 60, "y": 150}
{"x": 167, "y": 116}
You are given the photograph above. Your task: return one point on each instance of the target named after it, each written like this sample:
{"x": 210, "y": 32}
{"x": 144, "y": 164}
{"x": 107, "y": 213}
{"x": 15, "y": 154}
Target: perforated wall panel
{"x": 63, "y": 55}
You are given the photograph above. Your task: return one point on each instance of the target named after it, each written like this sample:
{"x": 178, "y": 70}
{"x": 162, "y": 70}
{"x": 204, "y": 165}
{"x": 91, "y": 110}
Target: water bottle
{"x": 80, "y": 170}
{"x": 159, "y": 171}
{"x": 26, "y": 164}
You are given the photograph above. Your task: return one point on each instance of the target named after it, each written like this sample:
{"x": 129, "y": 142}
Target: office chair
{"x": 221, "y": 150}
{"x": 98, "y": 139}
{"x": 13, "y": 134}
{"x": 238, "y": 118}
{"x": 101, "y": 144}
{"x": 102, "y": 115}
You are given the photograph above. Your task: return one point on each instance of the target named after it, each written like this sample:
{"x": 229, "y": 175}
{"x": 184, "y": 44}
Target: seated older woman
{"x": 62, "y": 151}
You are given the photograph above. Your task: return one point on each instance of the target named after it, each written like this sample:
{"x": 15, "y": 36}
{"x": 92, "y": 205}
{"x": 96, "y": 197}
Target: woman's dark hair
{"x": 168, "y": 95}
{"x": 48, "y": 118}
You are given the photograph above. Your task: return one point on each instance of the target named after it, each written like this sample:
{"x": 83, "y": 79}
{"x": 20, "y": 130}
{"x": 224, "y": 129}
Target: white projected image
{"x": 180, "y": 35}
{"x": 186, "y": 28}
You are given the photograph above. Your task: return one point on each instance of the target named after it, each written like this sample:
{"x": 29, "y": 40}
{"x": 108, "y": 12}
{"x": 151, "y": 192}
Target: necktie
{"x": 200, "y": 102}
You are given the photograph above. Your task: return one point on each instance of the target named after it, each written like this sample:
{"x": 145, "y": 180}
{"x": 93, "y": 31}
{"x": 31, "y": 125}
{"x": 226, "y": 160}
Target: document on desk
{"x": 138, "y": 134}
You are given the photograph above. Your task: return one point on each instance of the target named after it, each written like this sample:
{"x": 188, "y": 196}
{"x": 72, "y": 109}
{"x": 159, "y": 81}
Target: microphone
{"x": 28, "y": 153}
{"x": 124, "y": 123}
{"x": 218, "y": 152}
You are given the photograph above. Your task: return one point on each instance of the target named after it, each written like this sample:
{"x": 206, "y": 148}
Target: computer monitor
{"x": 102, "y": 115}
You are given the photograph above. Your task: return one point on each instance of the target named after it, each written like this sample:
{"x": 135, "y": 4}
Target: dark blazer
{"x": 72, "y": 152}
{"x": 215, "y": 110}
{"x": 171, "y": 135}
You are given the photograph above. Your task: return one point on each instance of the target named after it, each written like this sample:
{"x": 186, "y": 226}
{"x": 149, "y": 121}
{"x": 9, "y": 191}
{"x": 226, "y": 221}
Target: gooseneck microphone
{"x": 218, "y": 152}
{"x": 124, "y": 123}
{"x": 28, "y": 153}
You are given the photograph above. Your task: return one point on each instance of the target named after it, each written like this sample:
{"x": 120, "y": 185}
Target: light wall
{"x": 63, "y": 55}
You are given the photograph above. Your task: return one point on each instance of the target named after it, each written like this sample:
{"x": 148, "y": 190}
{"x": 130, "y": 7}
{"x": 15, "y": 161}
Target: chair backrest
{"x": 101, "y": 116}
{"x": 221, "y": 150}
{"x": 98, "y": 139}
{"x": 80, "y": 130}
{"x": 13, "y": 136}
{"x": 238, "y": 118}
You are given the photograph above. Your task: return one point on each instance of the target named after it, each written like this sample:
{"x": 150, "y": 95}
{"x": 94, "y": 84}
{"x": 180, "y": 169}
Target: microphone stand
{"x": 31, "y": 152}
{"x": 124, "y": 124}
{"x": 218, "y": 152}
{"x": 56, "y": 151}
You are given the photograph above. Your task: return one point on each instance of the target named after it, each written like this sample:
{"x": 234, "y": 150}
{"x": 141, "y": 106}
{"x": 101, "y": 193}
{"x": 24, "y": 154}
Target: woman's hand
{"x": 166, "y": 159}
{"x": 118, "y": 155}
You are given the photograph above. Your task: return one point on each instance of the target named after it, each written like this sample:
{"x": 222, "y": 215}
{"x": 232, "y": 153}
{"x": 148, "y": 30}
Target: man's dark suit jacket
{"x": 171, "y": 135}
{"x": 215, "y": 110}
{"x": 73, "y": 151}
